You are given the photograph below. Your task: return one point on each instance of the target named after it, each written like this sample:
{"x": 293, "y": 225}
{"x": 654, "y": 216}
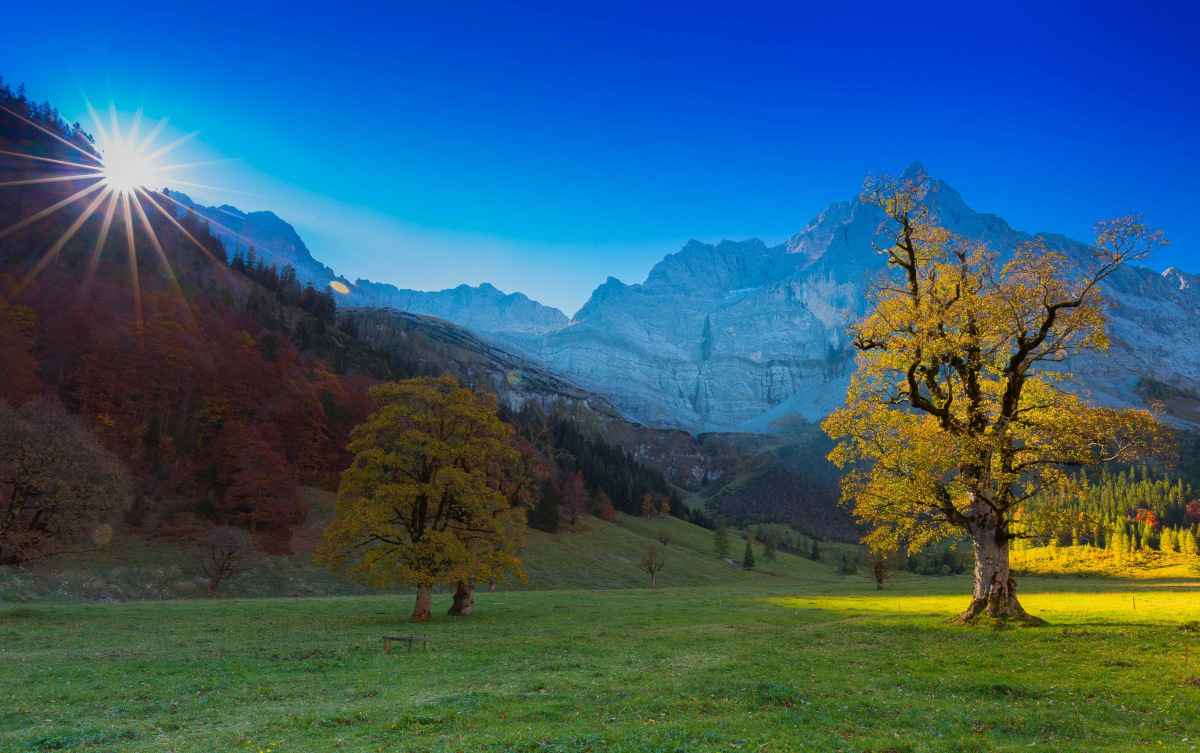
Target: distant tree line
{"x": 588, "y": 476}
{"x": 45, "y": 115}
{"x": 1130, "y": 510}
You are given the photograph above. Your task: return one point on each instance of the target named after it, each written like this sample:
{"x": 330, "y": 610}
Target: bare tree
{"x": 883, "y": 562}
{"x": 663, "y": 536}
{"x": 225, "y": 553}
{"x": 653, "y": 563}
{"x": 58, "y": 485}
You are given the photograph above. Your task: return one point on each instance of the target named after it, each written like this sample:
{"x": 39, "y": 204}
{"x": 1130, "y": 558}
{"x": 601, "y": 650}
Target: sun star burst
{"x": 126, "y": 169}
{"x": 116, "y": 181}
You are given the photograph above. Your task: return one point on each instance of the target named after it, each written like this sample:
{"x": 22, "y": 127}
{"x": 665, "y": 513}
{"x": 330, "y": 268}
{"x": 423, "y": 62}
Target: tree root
{"x": 998, "y": 611}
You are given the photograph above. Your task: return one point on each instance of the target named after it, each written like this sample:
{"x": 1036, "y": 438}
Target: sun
{"x": 125, "y": 168}
{"x": 116, "y": 172}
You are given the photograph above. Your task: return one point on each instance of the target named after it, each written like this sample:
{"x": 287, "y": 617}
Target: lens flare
{"x": 103, "y": 534}
{"x": 515, "y": 377}
{"x": 339, "y": 287}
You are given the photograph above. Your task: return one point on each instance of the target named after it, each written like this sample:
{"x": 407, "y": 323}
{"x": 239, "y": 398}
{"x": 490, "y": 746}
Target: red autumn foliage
{"x": 574, "y": 498}
{"x": 205, "y": 385}
{"x": 1192, "y": 513}
{"x": 602, "y": 507}
{"x": 1149, "y": 517}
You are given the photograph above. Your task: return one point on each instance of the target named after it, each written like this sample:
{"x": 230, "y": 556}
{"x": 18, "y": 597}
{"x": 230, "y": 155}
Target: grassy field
{"x": 789, "y": 657}
{"x": 823, "y": 663}
{"x": 1086, "y": 560}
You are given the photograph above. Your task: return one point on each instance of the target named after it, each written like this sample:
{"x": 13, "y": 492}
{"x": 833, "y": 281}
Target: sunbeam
{"x": 52, "y": 135}
{"x": 121, "y": 172}
{"x": 95, "y": 260}
{"x": 162, "y": 256}
{"x": 62, "y": 241}
{"x": 214, "y": 223}
{"x": 133, "y": 265}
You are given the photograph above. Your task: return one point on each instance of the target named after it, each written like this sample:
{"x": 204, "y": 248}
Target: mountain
{"x": 482, "y": 308}
{"x": 273, "y": 239}
{"x": 738, "y": 335}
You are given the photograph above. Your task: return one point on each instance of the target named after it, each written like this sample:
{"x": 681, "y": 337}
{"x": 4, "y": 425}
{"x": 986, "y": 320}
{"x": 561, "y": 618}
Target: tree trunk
{"x": 995, "y": 592}
{"x": 464, "y": 597}
{"x": 653, "y": 581}
{"x": 492, "y": 586}
{"x": 422, "y": 611}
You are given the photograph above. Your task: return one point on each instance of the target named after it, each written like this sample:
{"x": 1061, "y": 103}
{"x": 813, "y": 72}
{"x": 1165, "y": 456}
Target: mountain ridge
{"x": 739, "y": 335}
{"x": 736, "y": 335}
{"x": 484, "y": 307}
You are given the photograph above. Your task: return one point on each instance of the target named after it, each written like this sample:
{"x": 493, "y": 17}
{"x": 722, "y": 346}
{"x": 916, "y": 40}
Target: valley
{"x": 741, "y": 504}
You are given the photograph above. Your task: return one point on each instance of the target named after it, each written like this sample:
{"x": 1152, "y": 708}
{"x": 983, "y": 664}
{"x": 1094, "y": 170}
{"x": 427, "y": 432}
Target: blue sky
{"x": 543, "y": 147}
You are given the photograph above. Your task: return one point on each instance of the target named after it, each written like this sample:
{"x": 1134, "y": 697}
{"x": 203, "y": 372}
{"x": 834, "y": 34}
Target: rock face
{"x": 483, "y": 308}
{"x": 739, "y": 335}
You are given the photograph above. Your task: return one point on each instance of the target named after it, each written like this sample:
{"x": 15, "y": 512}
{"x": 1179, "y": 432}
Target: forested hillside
{"x": 220, "y": 382}
{"x": 1126, "y": 511}
{"x": 218, "y": 391}
{"x": 782, "y": 478}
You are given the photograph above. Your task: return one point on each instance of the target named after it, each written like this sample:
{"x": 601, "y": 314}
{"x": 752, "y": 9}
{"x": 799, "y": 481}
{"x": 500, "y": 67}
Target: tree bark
{"x": 422, "y": 611}
{"x": 464, "y": 597}
{"x": 653, "y": 581}
{"x": 995, "y": 592}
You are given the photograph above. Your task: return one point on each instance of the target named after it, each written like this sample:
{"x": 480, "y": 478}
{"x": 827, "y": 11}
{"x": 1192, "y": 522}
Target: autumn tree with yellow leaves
{"x": 961, "y": 409}
{"x": 424, "y": 501}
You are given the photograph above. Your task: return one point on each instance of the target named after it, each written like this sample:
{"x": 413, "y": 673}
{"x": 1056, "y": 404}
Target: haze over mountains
{"x": 483, "y": 308}
{"x": 738, "y": 335}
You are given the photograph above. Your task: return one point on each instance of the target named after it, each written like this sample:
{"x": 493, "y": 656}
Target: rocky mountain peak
{"x": 1181, "y": 279}
{"x": 737, "y": 335}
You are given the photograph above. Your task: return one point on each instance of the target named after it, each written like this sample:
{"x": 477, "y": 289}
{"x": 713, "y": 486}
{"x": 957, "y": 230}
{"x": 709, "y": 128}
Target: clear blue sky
{"x": 542, "y": 147}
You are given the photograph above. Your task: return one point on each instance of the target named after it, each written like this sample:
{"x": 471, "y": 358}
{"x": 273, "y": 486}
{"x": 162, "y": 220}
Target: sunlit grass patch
{"x": 1158, "y": 602}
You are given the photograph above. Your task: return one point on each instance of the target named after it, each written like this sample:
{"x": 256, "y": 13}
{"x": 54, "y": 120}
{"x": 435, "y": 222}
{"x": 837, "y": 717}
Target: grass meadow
{"x": 119, "y": 651}
{"x": 826, "y": 663}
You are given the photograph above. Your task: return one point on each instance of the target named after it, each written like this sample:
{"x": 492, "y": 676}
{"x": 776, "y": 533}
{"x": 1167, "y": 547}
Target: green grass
{"x": 823, "y": 664}
{"x": 789, "y": 657}
{"x": 595, "y": 555}
{"x": 606, "y": 556}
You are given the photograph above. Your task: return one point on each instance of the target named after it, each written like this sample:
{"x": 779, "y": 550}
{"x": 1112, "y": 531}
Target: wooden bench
{"x": 388, "y": 640}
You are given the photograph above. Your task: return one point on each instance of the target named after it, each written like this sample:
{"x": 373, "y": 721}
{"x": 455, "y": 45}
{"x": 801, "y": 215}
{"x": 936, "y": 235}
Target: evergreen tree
{"x": 748, "y": 557}
{"x": 1187, "y": 543}
{"x": 816, "y": 553}
{"x": 1167, "y": 542}
{"x": 850, "y": 562}
{"x": 720, "y": 537}
{"x": 544, "y": 515}
{"x": 768, "y": 547}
